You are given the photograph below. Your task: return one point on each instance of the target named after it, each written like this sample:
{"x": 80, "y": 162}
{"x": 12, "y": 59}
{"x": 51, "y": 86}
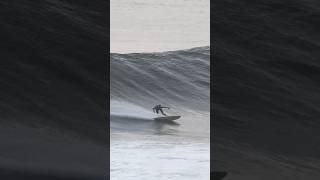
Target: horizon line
{"x": 153, "y": 52}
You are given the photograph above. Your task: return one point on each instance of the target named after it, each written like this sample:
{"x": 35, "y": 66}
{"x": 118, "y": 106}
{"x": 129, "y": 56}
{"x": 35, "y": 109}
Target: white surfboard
{"x": 167, "y": 118}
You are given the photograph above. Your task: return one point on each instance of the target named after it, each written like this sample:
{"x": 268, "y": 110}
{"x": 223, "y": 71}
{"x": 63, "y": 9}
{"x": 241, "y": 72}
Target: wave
{"x": 48, "y": 72}
{"x": 124, "y": 109}
{"x": 53, "y": 89}
{"x": 265, "y": 85}
{"x": 177, "y": 78}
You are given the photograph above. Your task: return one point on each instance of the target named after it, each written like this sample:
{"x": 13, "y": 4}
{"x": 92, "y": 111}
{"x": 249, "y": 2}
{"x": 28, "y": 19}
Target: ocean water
{"x": 266, "y": 89}
{"x": 158, "y": 156}
{"x": 142, "y": 148}
{"x": 53, "y": 90}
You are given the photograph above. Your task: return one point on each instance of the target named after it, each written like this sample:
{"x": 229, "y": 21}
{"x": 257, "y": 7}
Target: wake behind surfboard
{"x": 167, "y": 118}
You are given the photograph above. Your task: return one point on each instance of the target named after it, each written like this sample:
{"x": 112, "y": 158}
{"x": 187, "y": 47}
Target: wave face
{"x": 53, "y": 89}
{"x": 48, "y": 72}
{"x": 179, "y": 78}
{"x": 266, "y": 89}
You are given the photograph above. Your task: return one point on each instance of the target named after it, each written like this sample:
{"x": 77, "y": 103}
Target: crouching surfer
{"x": 158, "y": 108}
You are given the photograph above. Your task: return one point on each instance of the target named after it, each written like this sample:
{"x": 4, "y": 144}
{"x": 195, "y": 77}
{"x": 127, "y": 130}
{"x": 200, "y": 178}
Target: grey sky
{"x": 159, "y": 25}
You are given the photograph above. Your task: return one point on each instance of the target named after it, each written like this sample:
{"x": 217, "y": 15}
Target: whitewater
{"x": 142, "y": 148}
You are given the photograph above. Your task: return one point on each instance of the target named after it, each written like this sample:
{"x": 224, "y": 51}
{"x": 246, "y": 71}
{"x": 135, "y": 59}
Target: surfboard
{"x": 167, "y": 118}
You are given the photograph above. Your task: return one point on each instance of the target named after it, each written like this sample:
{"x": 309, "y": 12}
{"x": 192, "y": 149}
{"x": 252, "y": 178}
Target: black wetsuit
{"x": 158, "y": 108}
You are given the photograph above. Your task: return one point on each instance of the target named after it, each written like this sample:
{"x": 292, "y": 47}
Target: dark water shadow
{"x": 218, "y": 175}
{"x": 134, "y": 124}
{"x": 9, "y": 174}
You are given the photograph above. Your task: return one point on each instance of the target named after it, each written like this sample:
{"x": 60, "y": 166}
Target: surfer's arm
{"x": 165, "y": 107}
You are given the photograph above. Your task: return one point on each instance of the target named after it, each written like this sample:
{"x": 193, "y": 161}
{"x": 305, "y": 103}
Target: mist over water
{"x": 125, "y": 109}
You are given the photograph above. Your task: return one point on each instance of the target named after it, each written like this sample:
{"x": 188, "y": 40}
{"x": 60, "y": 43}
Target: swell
{"x": 266, "y": 76}
{"x": 53, "y": 89}
{"x": 176, "y": 78}
{"x": 51, "y": 64}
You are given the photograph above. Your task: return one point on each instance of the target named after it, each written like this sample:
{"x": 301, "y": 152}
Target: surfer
{"x": 158, "y": 108}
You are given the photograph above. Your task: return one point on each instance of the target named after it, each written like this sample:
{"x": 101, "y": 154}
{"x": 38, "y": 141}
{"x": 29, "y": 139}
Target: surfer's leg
{"x": 162, "y": 112}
